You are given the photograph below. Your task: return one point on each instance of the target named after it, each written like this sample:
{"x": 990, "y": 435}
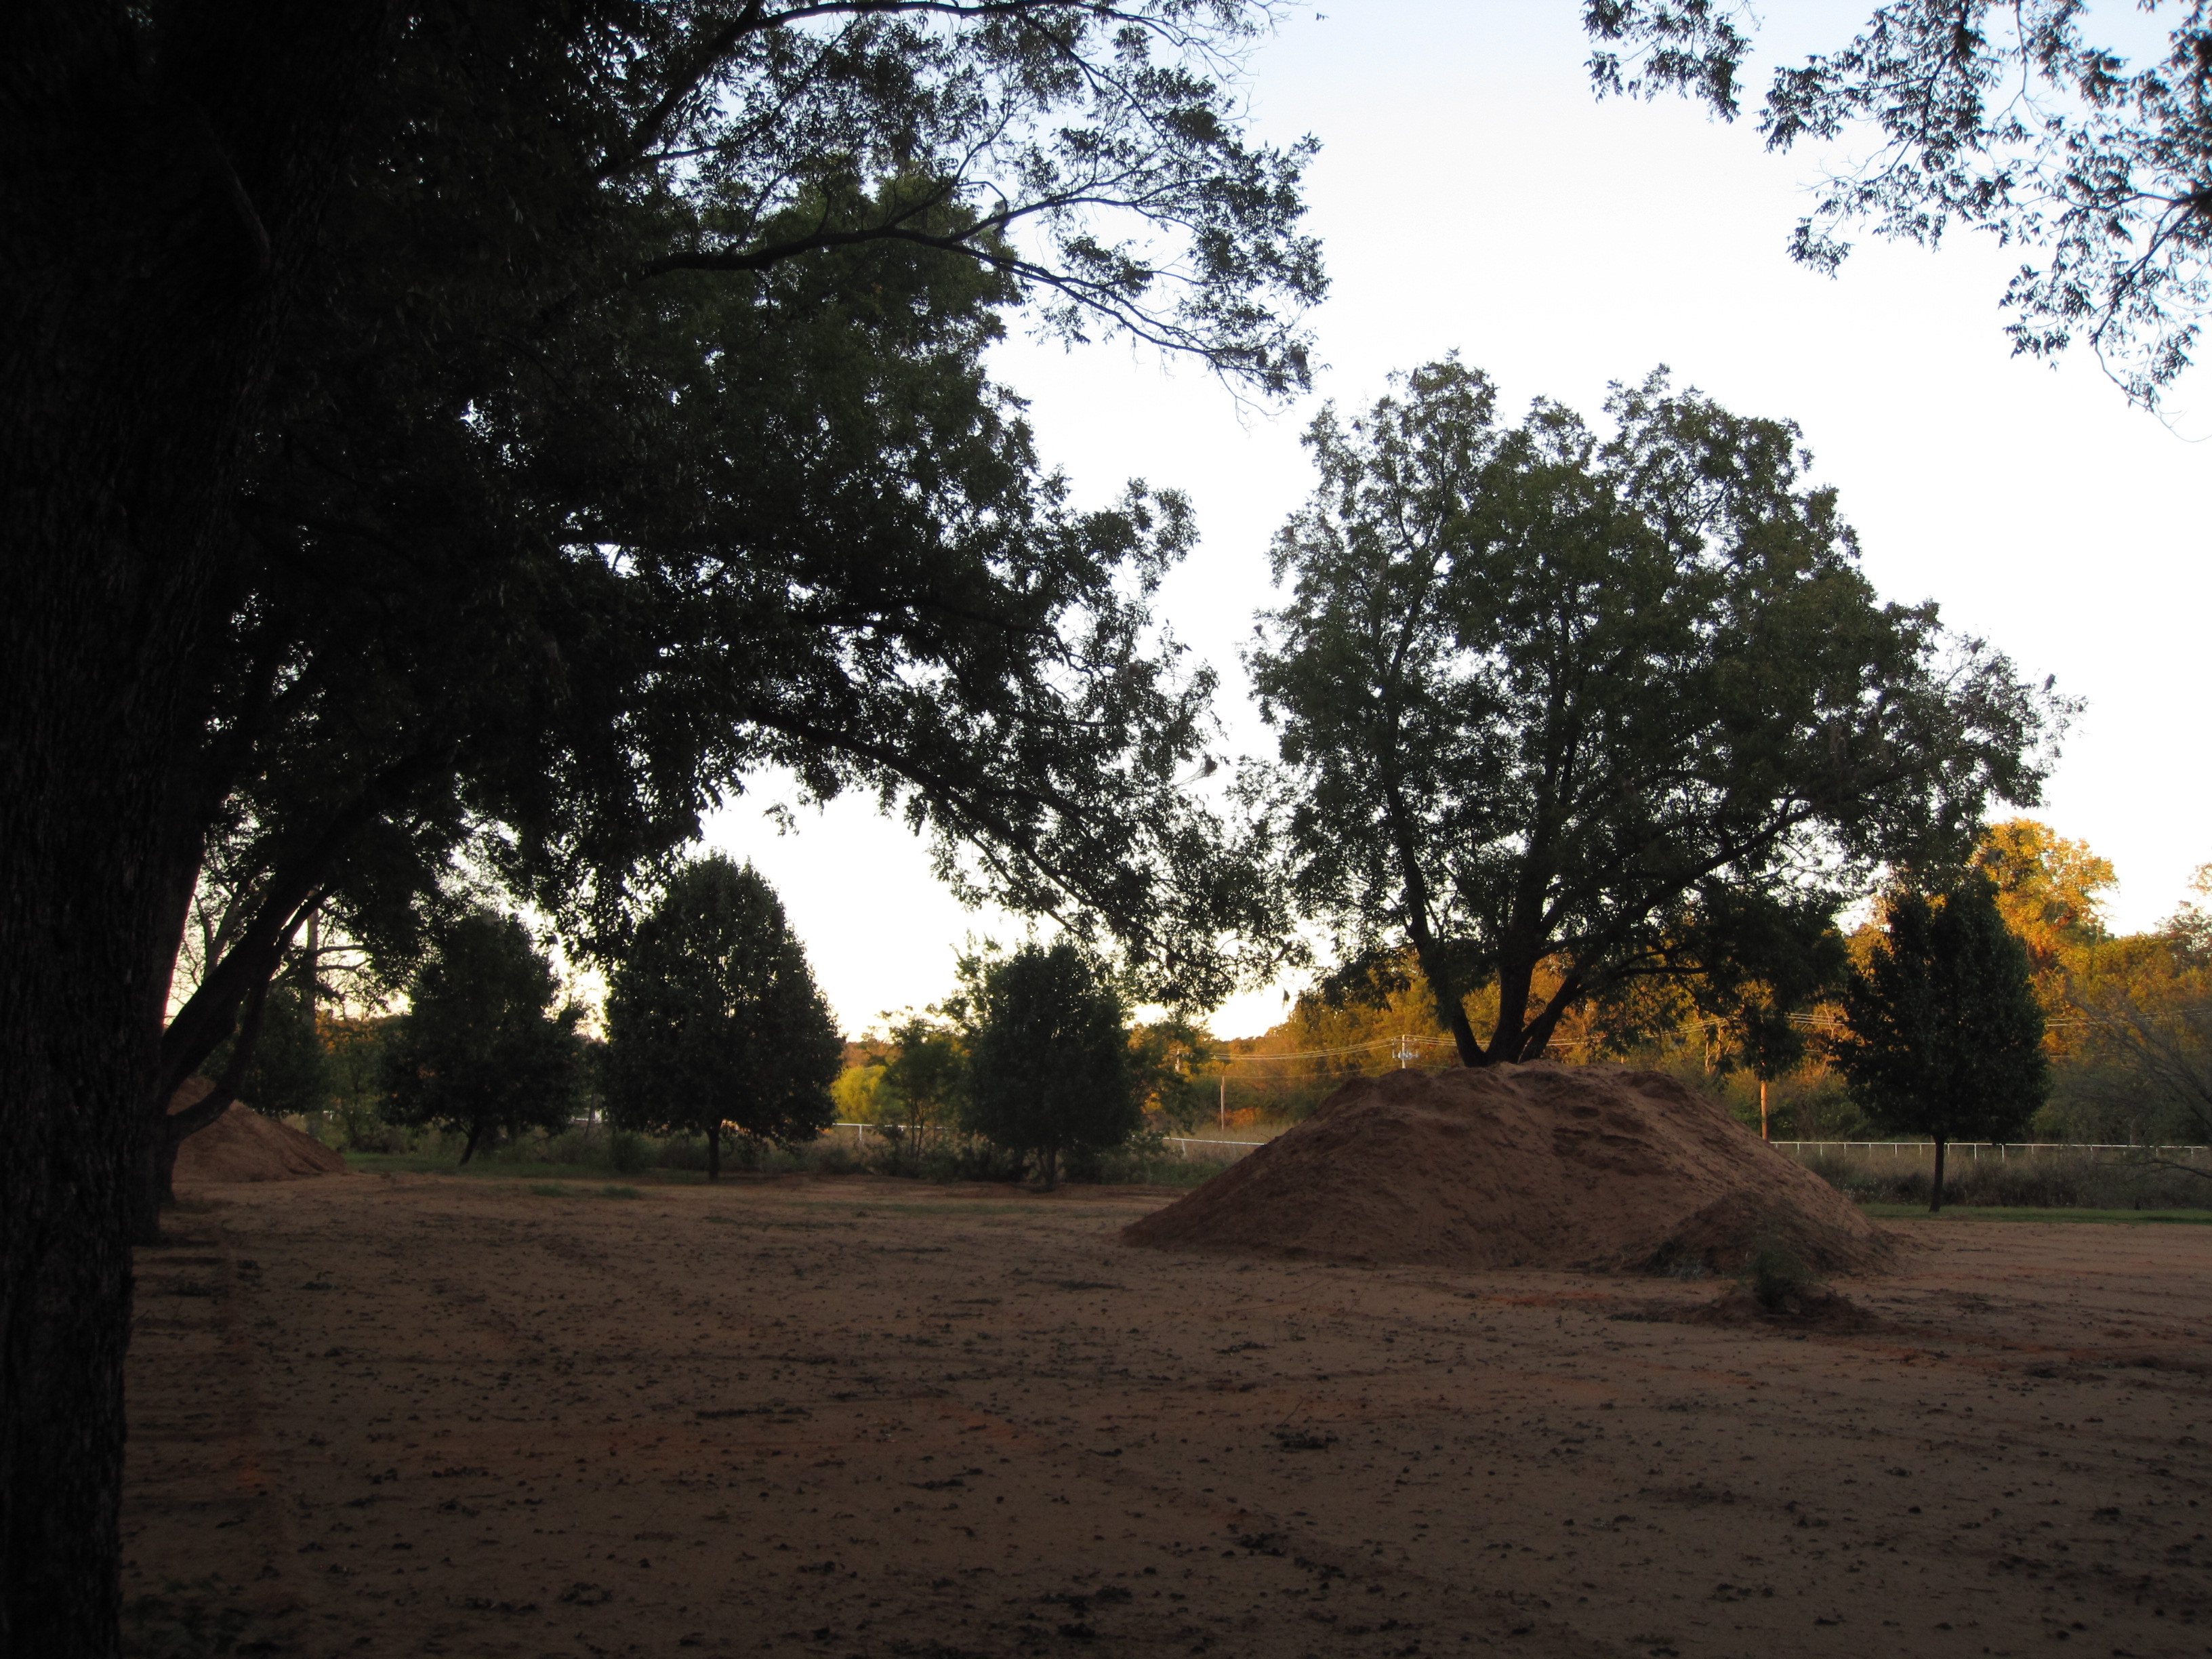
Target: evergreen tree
{"x": 715, "y": 1021}
{"x": 1049, "y": 1068}
{"x": 482, "y": 1049}
{"x": 1943, "y": 1033}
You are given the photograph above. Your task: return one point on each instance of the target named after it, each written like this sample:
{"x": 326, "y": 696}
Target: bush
{"x": 356, "y": 1126}
{"x": 629, "y": 1153}
{"x": 965, "y": 1157}
{"x": 1778, "y": 1278}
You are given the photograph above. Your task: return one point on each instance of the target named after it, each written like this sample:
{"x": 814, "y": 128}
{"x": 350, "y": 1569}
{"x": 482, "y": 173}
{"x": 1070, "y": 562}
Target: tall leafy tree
{"x": 848, "y": 554}
{"x": 1558, "y": 704}
{"x": 2008, "y": 119}
{"x": 1943, "y": 1035}
{"x": 1049, "y": 1067}
{"x": 715, "y": 1021}
{"x": 486, "y": 1048}
{"x": 304, "y": 310}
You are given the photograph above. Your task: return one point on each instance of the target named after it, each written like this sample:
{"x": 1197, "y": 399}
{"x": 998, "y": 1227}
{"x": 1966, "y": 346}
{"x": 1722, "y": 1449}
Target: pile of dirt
{"x": 243, "y": 1146}
{"x": 1522, "y": 1166}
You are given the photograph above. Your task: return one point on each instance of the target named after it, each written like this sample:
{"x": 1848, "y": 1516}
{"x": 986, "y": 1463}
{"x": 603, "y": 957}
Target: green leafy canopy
{"x": 1048, "y": 1066}
{"x": 2006, "y": 118}
{"x": 713, "y": 1017}
{"x": 1943, "y": 1035}
{"x": 482, "y": 1049}
{"x": 1618, "y": 702}
{"x": 629, "y": 436}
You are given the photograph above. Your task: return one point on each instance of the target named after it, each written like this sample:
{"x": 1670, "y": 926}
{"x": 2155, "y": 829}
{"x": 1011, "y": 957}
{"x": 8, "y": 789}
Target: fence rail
{"x": 1968, "y": 1149}
{"x": 1976, "y": 1148}
{"x": 1184, "y": 1142}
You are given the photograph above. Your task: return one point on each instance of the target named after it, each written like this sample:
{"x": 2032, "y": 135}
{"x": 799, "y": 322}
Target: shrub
{"x": 1778, "y": 1278}
{"x": 629, "y": 1152}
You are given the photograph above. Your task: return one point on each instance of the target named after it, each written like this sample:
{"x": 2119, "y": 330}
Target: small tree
{"x": 1943, "y": 1035}
{"x": 715, "y": 1021}
{"x": 925, "y": 1082}
{"x": 482, "y": 1049}
{"x": 1175, "y": 1070}
{"x": 1049, "y": 1069}
{"x": 290, "y": 1072}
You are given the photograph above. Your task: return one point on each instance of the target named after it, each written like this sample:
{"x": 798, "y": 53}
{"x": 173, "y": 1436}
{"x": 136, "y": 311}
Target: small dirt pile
{"x": 1522, "y": 1166}
{"x": 243, "y": 1146}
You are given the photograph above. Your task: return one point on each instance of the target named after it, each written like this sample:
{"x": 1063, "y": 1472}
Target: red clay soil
{"x": 1521, "y": 1166}
{"x": 243, "y": 1146}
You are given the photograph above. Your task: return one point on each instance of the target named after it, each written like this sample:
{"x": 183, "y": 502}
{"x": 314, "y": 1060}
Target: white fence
{"x": 1977, "y": 1149}
{"x": 1181, "y": 1143}
{"x": 1970, "y": 1150}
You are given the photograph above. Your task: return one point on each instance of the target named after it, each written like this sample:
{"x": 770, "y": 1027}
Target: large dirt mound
{"x": 1521, "y": 1166}
{"x": 243, "y": 1146}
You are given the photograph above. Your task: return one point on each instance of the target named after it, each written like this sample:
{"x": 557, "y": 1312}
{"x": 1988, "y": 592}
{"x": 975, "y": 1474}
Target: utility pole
{"x": 1405, "y": 1050}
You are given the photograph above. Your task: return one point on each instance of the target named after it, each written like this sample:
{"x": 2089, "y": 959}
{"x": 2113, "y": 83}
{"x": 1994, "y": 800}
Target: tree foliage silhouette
{"x": 1577, "y": 706}
{"x": 713, "y": 1019}
{"x": 483, "y": 1051}
{"x": 2006, "y": 118}
{"x": 1943, "y": 1035}
{"x": 1049, "y": 1067}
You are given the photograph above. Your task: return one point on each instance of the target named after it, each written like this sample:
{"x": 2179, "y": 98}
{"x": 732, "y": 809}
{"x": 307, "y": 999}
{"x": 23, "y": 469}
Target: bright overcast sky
{"x": 1472, "y": 195}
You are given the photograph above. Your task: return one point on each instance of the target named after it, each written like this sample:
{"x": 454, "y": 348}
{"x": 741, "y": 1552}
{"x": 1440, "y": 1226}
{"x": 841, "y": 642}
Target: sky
{"x": 1473, "y": 195}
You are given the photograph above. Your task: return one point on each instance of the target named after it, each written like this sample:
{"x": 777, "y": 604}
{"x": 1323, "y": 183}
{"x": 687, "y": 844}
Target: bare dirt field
{"x": 852, "y": 1417}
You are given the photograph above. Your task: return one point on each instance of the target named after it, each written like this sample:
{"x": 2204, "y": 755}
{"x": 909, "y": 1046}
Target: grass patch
{"x": 1976, "y": 1213}
{"x": 544, "y": 1190}
{"x": 618, "y": 1192}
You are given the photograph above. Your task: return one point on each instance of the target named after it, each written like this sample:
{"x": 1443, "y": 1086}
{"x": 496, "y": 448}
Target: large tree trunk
{"x": 1443, "y": 987}
{"x": 154, "y": 196}
{"x": 157, "y": 1166}
{"x": 1935, "y": 1187}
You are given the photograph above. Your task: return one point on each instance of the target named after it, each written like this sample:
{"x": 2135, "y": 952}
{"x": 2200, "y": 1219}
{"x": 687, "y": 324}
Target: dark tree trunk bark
{"x": 1444, "y": 986}
{"x": 1537, "y": 1036}
{"x": 469, "y": 1146}
{"x": 170, "y": 1130}
{"x": 1935, "y": 1190}
{"x": 155, "y": 196}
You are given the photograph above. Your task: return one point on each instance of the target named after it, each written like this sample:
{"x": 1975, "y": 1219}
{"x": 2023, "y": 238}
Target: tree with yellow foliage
{"x": 2049, "y": 889}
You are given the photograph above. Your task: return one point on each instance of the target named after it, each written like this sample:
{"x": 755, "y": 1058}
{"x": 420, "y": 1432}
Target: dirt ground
{"x": 398, "y": 1415}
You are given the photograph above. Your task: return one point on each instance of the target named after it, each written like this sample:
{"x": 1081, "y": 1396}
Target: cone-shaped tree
{"x": 1943, "y": 1035}
{"x": 1048, "y": 1073}
{"x": 713, "y": 1019}
{"x": 482, "y": 1049}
